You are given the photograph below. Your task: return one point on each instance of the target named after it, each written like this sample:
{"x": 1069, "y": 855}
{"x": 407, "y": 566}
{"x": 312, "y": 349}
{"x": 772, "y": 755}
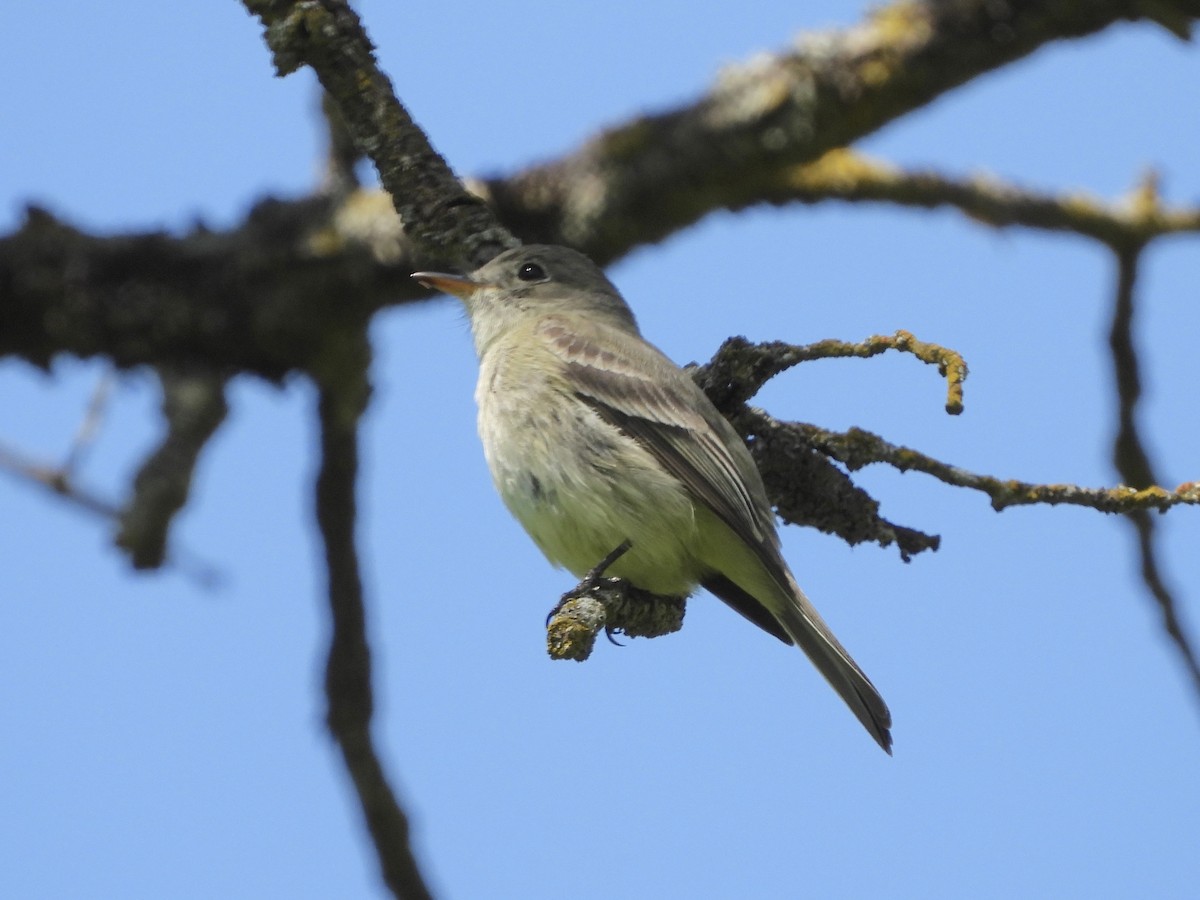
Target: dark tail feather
{"x": 746, "y": 604}
{"x": 813, "y": 636}
{"x": 800, "y": 624}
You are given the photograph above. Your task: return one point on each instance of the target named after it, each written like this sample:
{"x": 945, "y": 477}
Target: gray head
{"x": 531, "y": 282}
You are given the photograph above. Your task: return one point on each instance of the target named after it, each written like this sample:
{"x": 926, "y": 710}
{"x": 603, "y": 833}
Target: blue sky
{"x": 163, "y": 739}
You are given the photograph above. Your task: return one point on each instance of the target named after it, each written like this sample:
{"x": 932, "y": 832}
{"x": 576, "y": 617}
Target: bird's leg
{"x": 611, "y": 604}
{"x": 592, "y": 579}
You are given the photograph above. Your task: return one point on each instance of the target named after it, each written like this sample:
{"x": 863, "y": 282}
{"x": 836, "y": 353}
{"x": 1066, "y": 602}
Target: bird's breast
{"x": 579, "y": 485}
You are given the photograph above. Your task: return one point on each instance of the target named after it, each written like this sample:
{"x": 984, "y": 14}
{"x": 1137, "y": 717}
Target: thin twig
{"x": 340, "y": 178}
{"x": 89, "y": 426}
{"x": 62, "y": 484}
{"x": 57, "y": 480}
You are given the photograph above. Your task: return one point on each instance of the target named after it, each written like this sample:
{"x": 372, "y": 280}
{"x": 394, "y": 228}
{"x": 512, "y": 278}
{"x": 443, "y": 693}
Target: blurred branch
{"x": 193, "y": 407}
{"x": 56, "y": 479}
{"x": 1130, "y": 456}
{"x": 161, "y": 486}
{"x": 89, "y": 426}
{"x": 60, "y": 479}
{"x": 344, "y": 391}
{"x": 342, "y": 156}
{"x": 256, "y": 298}
{"x": 643, "y": 180}
{"x": 845, "y": 174}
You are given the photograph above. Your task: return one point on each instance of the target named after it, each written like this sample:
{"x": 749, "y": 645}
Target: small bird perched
{"x": 594, "y": 438}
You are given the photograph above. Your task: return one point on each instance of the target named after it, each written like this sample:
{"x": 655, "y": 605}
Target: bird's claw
{"x": 593, "y": 580}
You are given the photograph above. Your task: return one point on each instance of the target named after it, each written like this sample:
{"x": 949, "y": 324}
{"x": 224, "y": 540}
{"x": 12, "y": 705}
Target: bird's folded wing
{"x": 639, "y": 390}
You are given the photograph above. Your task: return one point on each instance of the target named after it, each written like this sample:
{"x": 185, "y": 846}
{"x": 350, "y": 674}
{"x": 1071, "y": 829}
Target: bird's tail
{"x": 806, "y": 627}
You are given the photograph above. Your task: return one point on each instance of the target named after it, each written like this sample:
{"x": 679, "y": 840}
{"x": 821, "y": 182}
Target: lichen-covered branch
{"x": 857, "y": 448}
{"x": 739, "y": 369}
{"x": 847, "y": 175}
{"x": 645, "y": 179}
{"x": 805, "y": 487}
{"x": 448, "y": 225}
{"x": 259, "y": 299}
{"x": 611, "y": 605}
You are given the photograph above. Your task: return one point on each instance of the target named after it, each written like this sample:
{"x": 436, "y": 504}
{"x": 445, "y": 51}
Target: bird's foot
{"x": 593, "y": 580}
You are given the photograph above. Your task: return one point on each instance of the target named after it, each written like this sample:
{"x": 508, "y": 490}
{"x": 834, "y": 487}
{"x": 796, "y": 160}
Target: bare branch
{"x": 61, "y": 479}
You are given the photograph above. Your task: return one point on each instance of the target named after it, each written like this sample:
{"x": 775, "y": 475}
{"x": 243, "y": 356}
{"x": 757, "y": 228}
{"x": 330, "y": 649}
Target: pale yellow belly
{"x": 580, "y": 487}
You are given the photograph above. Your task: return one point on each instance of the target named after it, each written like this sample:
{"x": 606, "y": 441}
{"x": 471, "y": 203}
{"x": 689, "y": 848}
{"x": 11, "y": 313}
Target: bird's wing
{"x": 639, "y": 390}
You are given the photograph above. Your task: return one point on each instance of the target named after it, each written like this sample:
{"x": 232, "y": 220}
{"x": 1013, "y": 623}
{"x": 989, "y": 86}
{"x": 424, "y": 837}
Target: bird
{"x": 595, "y": 438}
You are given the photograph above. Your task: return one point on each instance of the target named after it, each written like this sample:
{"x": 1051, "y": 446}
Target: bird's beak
{"x": 450, "y": 284}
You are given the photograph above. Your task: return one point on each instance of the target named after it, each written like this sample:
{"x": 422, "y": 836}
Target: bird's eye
{"x": 531, "y": 272}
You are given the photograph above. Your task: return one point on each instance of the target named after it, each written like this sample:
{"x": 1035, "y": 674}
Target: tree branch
{"x": 55, "y": 479}
{"x": 294, "y": 288}
{"x": 193, "y": 408}
{"x": 258, "y": 299}
{"x": 445, "y": 222}
{"x": 845, "y": 174}
{"x": 857, "y": 448}
{"x": 1133, "y": 461}
{"x": 641, "y": 181}
{"x": 609, "y": 604}
{"x": 739, "y": 369}
{"x": 342, "y": 400}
